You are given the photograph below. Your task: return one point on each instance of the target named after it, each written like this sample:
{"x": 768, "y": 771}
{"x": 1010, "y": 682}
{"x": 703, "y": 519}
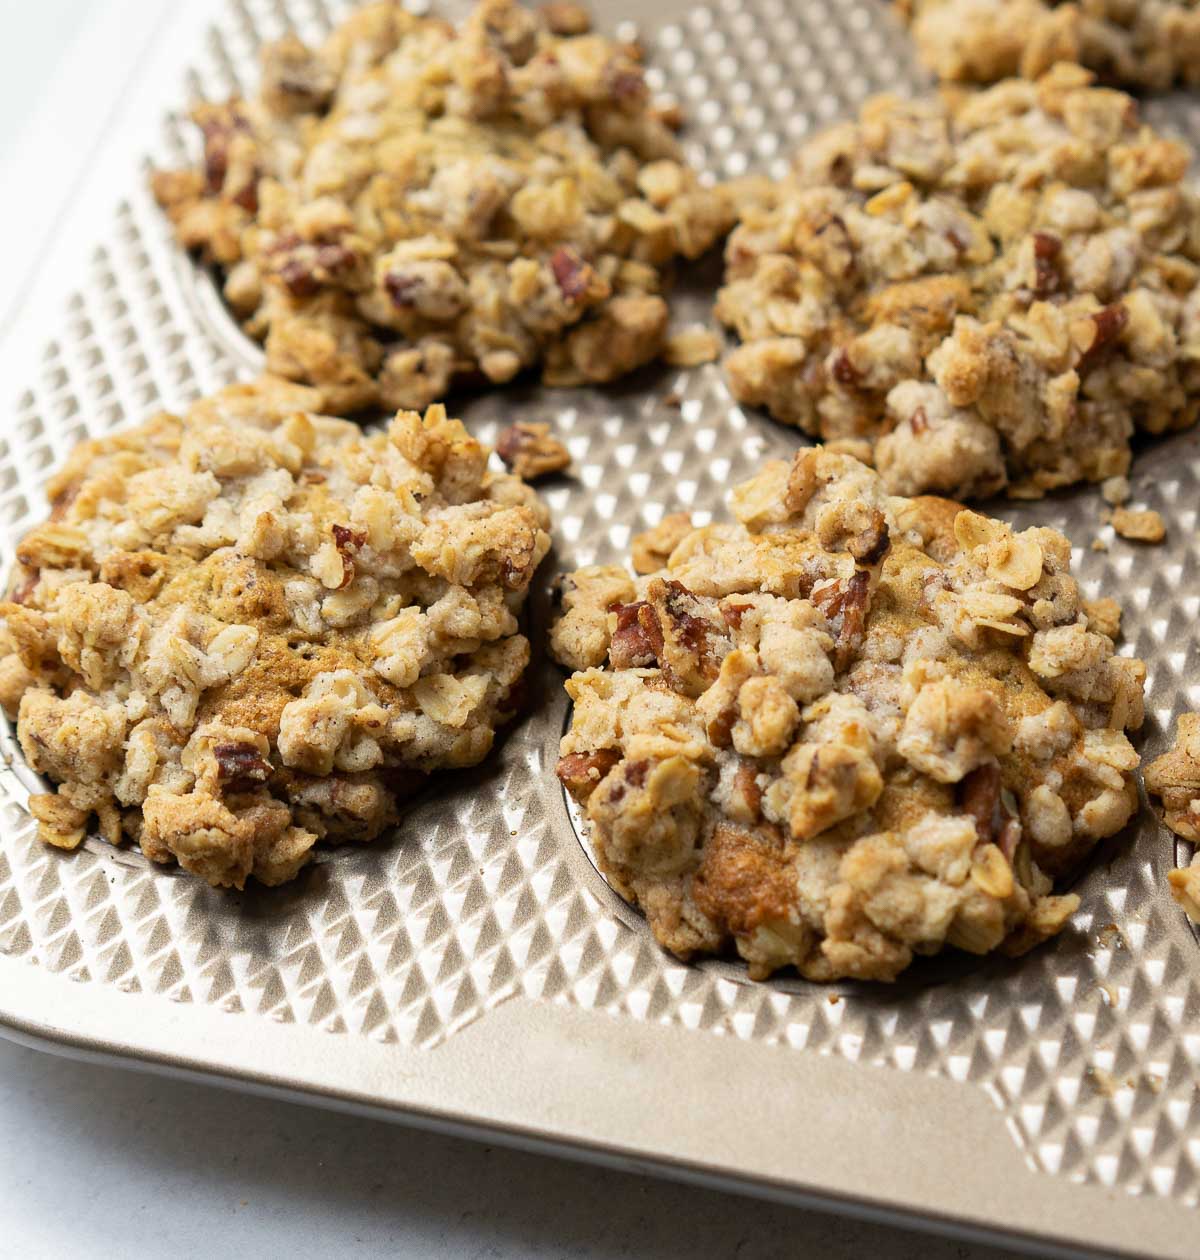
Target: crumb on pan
{"x": 247, "y": 631}
{"x": 409, "y": 205}
{"x": 1139, "y": 526}
{"x": 530, "y": 450}
{"x": 1115, "y": 490}
{"x": 994, "y": 289}
{"x": 846, "y": 728}
{"x": 1144, "y": 43}
{"x": 692, "y": 346}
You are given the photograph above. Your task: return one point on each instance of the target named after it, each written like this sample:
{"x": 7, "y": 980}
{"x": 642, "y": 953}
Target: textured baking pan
{"x": 473, "y": 970}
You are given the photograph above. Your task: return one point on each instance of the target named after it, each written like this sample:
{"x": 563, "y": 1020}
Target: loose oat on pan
{"x": 247, "y": 631}
{"x": 1146, "y": 43}
{"x": 847, "y": 729}
{"x": 1175, "y": 779}
{"x": 409, "y": 205}
{"x": 993, "y": 289}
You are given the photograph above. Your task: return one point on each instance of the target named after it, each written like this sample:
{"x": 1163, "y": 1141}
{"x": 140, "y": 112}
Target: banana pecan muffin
{"x": 1145, "y": 43}
{"x": 1175, "y": 779}
{"x": 412, "y": 205}
{"x": 991, "y": 290}
{"x": 848, "y": 728}
{"x": 248, "y": 631}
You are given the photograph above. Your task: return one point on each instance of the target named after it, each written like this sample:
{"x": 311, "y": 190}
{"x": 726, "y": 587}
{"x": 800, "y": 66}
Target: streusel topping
{"x": 1145, "y": 43}
{"x": 249, "y": 630}
{"x": 994, "y": 290}
{"x": 847, "y": 728}
{"x": 411, "y": 205}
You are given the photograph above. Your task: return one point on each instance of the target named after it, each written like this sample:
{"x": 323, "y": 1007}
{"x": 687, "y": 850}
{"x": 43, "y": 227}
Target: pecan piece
{"x": 733, "y": 613}
{"x": 430, "y": 288}
{"x": 871, "y": 545}
{"x": 220, "y": 126}
{"x": 637, "y": 641}
{"x": 531, "y": 450}
{"x": 240, "y": 767}
{"x": 571, "y": 274}
{"x": 347, "y": 541}
{"x": 688, "y": 658}
{"x": 844, "y": 371}
{"x": 845, "y": 602}
{"x": 1046, "y": 249}
{"x": 580, "y": 773}
{"x": 1110, "y": 324}
{"x": 304, "y": 267}
{"x": 979, "y": 797}
{"x": 747, "y": 789}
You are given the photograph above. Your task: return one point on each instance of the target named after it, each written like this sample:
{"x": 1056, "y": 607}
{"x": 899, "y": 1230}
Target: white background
{"x": 98, "y": 1162}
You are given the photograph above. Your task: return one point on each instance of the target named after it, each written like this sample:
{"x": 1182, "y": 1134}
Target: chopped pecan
{"x": 745, "y": 783}
{"x": 871, "y": 545}
{"x": 306, "y": 266}
{"x": 981, "y": 797}
{"x": 402, "y": 289}
{"x": 845, "y": 602}
{"x": 1110, "y": 324}
{"x": 733, "y": 613}
{"x": 580, "y": 773}
{"x": 688, "y": 658}
{"x": 844, "y": 372}
{"x": 632, "y": 774}
{"x": 720, "y": 728}
{"x": 638, "y": 639}
{"x": 298, "y": 278}
{"x": 692, "y": 631}
{"x": 219, "y": 126}
{"x": 531, "y": 450}
{"x": 1046, "y": 249}
{"x": 240, "y": 767}
{"x": 347, "y": 541}
{"x": 570, "y": 273}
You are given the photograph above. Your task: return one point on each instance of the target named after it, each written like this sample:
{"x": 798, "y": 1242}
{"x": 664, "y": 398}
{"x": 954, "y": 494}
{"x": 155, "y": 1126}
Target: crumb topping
{"x": 846, "y": 728}
{"x": 249, "y": 630}
{"x": 1147, "y": 43}
{"x": 411, "y": 204}
{"x": 993, "y": 290}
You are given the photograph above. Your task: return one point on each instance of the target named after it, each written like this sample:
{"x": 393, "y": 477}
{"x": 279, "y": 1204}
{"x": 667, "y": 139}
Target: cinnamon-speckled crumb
{"x": 846, "y": 728}
{"x": 408, "y": 205}
{"x": 247, "y": 631}
{"x": 994, "y": 290}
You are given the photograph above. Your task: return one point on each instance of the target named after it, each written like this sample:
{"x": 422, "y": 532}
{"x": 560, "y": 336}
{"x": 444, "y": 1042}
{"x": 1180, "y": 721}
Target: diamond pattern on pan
{"x": 1089, "y": 1048}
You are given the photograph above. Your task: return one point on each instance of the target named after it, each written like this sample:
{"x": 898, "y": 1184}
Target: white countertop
{"x": 100, "y": 1162}
{"x": 96, "y": 1161}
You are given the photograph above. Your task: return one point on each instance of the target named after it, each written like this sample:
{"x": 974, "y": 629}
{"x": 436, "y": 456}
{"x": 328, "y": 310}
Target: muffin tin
{"x": 473, "y": 971}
